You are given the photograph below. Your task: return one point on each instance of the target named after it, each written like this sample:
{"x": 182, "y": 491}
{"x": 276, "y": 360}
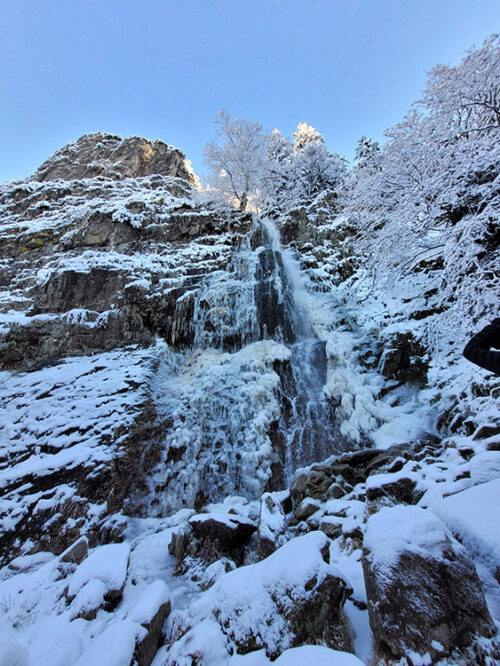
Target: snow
{"x": 485, "y": 467}
{"x": 155, "y": 596}
{"x": 223, "y": 395}
{"x": 397, "y": 529}
{"x": 114, "y": 647}
{"x": 299, "y": 656}
{"x": 108, "y": 564}
{"x": 472, "y": 515}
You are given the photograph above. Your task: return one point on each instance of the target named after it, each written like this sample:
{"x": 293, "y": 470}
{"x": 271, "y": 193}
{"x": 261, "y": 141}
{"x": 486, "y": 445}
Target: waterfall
{"x": 242, "y": 399}
{"x": 307, "y": 428}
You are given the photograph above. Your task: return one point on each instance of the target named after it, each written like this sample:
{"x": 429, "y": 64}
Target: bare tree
{"x": 237, "y": 161}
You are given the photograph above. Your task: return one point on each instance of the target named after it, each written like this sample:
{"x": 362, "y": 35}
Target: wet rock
{"x": 424, "y": 595}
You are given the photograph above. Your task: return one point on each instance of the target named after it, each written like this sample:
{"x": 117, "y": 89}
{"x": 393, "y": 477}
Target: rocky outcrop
{"x": 110, "y": 156}
{"x": 210, "y": 537}
{"x": 424, "y": 595}
{"x": 293, "y": 597}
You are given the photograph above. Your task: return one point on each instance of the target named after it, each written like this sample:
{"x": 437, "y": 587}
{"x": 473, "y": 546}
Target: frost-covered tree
{"x": 305, "y": 134}
{"x": 317, "y": 170}
{"x": 237, "y": 161}
{"x": 467, "y": 97}
{"x": 299, "y": 171}
{"x": 433, "y": 199}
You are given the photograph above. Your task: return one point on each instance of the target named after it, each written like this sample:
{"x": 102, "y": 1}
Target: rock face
{"x": 424, "y": 595}
{"x": 110, "y": 156}
{"x": 89, "y": 269}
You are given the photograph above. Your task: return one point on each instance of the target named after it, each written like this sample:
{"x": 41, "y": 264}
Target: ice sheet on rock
{"x": 222, "y": 406}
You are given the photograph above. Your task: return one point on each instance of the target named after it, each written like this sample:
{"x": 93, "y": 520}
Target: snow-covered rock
{"x": 424, "y": 595}
{"x": 272, "y": 522}
{"x": 299, "y": 656}
{"x": 293, "y": 596}
{"x": 472, "y": 515}
{"x": 110, "y": 156}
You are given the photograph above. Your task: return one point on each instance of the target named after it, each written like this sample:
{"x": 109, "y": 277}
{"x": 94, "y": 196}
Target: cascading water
{"x": 243, "y": 402}
{"x": 307, "y": 427}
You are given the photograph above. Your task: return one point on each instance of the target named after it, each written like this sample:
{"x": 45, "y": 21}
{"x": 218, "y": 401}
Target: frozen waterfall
{"x": 243, "y": 401}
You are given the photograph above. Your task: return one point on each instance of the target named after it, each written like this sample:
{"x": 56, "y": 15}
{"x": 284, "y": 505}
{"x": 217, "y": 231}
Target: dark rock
{"x": 335, "y": 491}
{"x": 229, "y": 531}
{"x": 312, "y": 484}
{"x": 77, "y": 552}
{"x": 331, "y": 527}
{"x": 384, "y": 489}
{"x": 306, "y": 509}
{"x": 150, "y": 611}
{"x": 403, "y": 359}
{"x": 486, "y": 431}
{"x": 424, "y": 595}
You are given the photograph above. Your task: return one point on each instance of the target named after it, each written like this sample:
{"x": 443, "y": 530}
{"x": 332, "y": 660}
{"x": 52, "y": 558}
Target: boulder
{"x": 312, "y": 483}
{"x": 485, "y": 467}
{"x": 209, "y": 537}
{"x": 226, "y": 531}
{"x": 389, "y": 489}
{"x": 306, "y": 509}
{"x": 472, "y": 515}
{"x": 107, "y": 564}
{"x": 424, "y": 595}
{"x": 150, "y": 611}
{"x": 215, "y": 570}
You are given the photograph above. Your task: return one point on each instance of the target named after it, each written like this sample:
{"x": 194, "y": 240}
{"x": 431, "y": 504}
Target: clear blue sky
{"x": 162, "y": 68}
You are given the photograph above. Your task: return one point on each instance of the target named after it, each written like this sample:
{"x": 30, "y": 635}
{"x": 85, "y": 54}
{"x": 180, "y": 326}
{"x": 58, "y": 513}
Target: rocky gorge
{"x": 218, "y": 445}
